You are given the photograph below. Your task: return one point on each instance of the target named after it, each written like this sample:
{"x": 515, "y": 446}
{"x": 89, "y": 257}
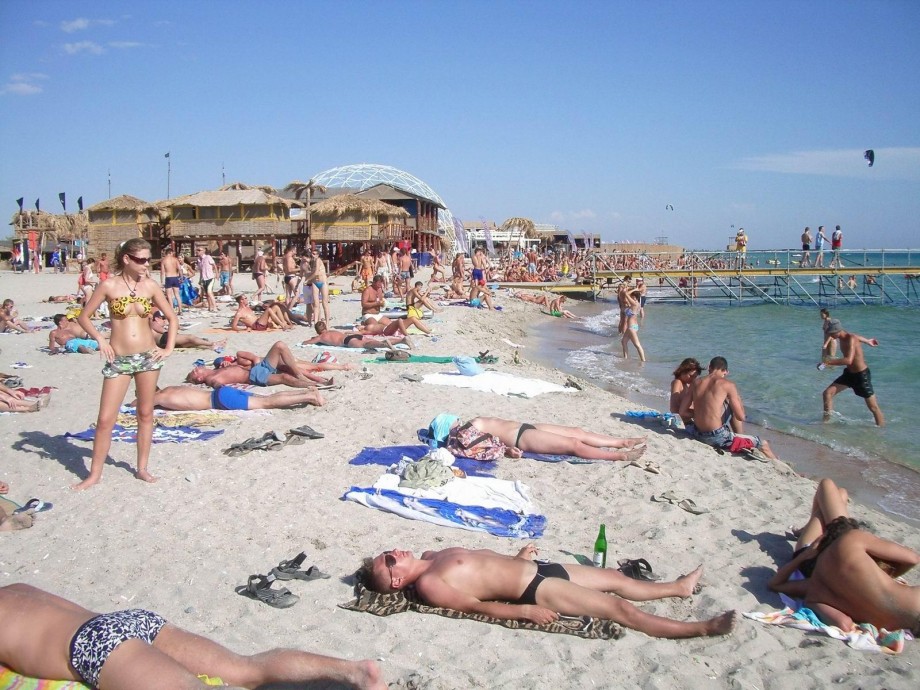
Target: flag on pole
{"x": 80, "y": 202}
{"x": 36, "y": 205}
{"x": 63, "y": 198}
{"x": 19, "y": 201}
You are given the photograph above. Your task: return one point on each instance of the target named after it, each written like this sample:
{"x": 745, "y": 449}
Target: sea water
{"x": 772, "y": 352}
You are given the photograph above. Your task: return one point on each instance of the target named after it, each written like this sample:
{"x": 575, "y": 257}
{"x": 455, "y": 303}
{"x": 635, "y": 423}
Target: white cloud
{"x": 125, "y": 44}
{"x": 890, "y": 163}
{"x": 82, "y": 23}
{"x": 24, "y": 84}
{"x": 83, "y": 47}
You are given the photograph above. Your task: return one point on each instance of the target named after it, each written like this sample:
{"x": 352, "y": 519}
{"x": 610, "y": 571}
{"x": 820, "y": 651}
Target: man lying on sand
{"x": 482, "y": 581}
{"x": 245, "y": 318}
{"x": 160, "y": 326}
{"x": 552, "y": 439}
{"x": 279, "y": 367}
{"x": 188, "y": 398}
{"x": 16, "y": 401}
{"x": 334, "y": 338}
{"x": 69, "y": 337}
{"x": 45, "y": 636}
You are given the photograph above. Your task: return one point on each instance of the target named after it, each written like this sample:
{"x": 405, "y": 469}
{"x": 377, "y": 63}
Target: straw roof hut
{"x": 524, "y": 224}
{"x": 351, "y": 218}
{"x": 121, "y": 218}
{"x": 50, "y": 226}
{"x": 233, "y": 212}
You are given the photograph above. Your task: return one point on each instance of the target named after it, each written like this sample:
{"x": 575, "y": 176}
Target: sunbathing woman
{"x": 130, "y": 352}
{"x": 558, "y": 440}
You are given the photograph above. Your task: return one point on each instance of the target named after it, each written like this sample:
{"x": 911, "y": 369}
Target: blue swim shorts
{"x": 259, "y": 374}
{"x": 226, "y": 398}
{"x": 74, "y": 344}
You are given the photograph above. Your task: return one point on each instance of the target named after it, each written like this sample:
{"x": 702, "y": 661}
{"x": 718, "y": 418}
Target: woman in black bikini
{"x": 130, "y": 352}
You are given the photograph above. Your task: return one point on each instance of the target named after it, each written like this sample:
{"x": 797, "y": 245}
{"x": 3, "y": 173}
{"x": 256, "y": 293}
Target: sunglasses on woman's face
{"x": 139, "y": 259}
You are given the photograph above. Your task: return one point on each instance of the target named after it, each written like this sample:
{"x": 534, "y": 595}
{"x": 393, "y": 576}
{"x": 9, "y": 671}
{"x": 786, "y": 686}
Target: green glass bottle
{"x": 600, "y": 548}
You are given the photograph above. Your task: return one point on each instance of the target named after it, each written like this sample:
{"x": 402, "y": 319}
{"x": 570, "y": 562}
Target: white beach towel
{"x": 497, "y": 382}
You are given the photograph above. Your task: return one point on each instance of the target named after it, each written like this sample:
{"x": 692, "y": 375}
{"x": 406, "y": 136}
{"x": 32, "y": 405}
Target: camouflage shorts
{"x": 129, "y": 365}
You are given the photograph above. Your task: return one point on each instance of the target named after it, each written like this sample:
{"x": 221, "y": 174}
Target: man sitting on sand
{"x": 139, "y": 650}
{"x": 482, "y": 581}
{"x": 189, "y": 398}
{"x": 160, "y": 326}
{"x": 279, "y": 367}
{"x": 372, "y": 299}
{"x": 334, "y": 338}
{"x": 69, "y": 337}
{"x": 271, "y": 317}
{"x": 551, "y": 439}
{"x": 416, "y": 298}
{"x": 12, "y": 400}
{"x": 716, "y": 402}
{"x": 10, "y": 321}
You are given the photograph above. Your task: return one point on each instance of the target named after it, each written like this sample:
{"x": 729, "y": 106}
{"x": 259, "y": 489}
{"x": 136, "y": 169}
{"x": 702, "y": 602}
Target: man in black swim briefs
{"x": 856, "y": 374}
{"x": 482, "y": 581}
{"x": 140, "y": 650}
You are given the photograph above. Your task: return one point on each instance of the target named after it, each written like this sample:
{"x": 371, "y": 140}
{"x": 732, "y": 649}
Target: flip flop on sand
{"x": 649, "y": 466}
{"x": 637, "y": 569}
{"x": 290, "y": 570}
{"x": 683, "y": 503}
{"x": 306, "y": 432}
{"x": 259, "y": 588}
{"x": 36, "y": 505}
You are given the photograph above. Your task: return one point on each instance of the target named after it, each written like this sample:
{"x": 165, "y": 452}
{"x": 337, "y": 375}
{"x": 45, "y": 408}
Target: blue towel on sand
{"x": 178, "y": 434}
{"x": 390, "y": 455}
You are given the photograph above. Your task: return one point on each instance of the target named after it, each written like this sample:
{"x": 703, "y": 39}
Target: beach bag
{"x": 469, "y": 442}
{"x": 397, "y": 356}
{"x": 467, "y": 366}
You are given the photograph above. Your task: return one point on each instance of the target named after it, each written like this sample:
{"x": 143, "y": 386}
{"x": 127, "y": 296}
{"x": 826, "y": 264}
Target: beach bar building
{"x": 43, "y": 232}
{"x": 354, "y": 218}
{"x": 121, "y": 218}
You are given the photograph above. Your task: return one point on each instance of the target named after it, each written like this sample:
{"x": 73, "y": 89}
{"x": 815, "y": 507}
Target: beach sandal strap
{"x": 260, "y": 589}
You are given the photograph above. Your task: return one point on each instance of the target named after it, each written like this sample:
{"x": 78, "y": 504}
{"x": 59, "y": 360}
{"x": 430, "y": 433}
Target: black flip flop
{"x": 637, "y": 569}
{"x": 306, "y": 432}
{"x": 290, "y": 570}
{"x": 260, "y": 588}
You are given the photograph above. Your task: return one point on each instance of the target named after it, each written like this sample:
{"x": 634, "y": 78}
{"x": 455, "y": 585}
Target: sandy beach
{"x": 181, "y": 545}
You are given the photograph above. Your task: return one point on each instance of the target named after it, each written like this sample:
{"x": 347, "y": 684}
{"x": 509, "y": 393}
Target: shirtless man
{"x": 856, "y": 374}
{"x": 385, "y": 268}
{"x": 271, "y": 317}
{"x": 478, "y": 276}
{"x": 458, "y": 266}
{"x": 481, "y": 581}
{"x": 437, "y": 268}
{"x": 170, "y": 278}
{"x": 366, "y": 267}
{"x": 139, "y": 650}
{"x": 405, "y": 266}
{"x": 715, "y": 402}
{"x": 334, "y": 338}
{"x": 372, "y": 299}
{"x": 190, "y": 399}
{"x": 556, "y": 309}
{"x": 160, "y": 326}
{"x": 455, "y": 289}
{"x": 69, "y": 337}
{"x": 225, "y": 264}
{"x": 9, "y": 318}
{"x": 259, "y": 269}
{"x": 291, "y": 271}
{"x": 416, "y": 298}
{"x": 317, "y": 278}
{"x": 279, "y": 367}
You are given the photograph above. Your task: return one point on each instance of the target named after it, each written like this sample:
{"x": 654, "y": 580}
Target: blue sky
{"x": 591, "y": 115}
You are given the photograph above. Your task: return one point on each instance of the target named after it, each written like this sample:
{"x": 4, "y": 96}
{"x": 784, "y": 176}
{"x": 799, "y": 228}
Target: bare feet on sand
{"x": 690, "y": 583}
{"x": 145, "y": 476}
{"x": 722, "y": 625}
{"x": 632, "y": 454}
{"x": 86, "y": 483}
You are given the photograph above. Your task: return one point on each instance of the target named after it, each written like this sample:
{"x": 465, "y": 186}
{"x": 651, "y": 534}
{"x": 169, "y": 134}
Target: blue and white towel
{"x": 178, "y": 434}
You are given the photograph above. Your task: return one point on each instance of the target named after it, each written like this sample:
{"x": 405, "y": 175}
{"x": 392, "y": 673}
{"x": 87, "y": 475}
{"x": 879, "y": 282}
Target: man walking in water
{"x": 717, "y": 408}
{"x": 856, "y": 374}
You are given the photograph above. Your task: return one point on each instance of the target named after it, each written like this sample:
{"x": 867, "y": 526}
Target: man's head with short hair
{"x": 320, "y": 327}
{"x": 377, "y": 573}
{"x": 418, "y": 283}
{"x": 197, "y": 375}
{"x": 58, "y": 318}
{"x": 718, "y": 364}
{"x": 240, "y": 299}
{"x": 378, "y": 280}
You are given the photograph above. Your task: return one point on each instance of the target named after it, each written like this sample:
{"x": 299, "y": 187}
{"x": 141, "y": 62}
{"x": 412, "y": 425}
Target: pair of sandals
{"x": 273, "y": 440}
{"x": 637, "y": 569}
{"x": 259, "y": 587}
{"x": 687, "y": 504}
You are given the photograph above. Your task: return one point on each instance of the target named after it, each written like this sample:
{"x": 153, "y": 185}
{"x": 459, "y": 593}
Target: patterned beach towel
{"x": 179, "y": 434}
{"x": 10, "y": 680}
{"x": 368, "y": 601}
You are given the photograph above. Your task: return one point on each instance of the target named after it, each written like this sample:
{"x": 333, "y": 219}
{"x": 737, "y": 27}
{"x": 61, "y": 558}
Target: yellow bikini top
{"x": 119, "y": 306}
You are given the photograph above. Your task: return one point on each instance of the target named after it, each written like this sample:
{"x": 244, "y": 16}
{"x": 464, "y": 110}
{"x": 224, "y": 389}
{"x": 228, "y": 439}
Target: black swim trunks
{"x": 163, "y": 339}
{"x": 349, "y": 338}
{"x": 545, "y": 569}
{"x": 860, "y": 382}
{"x": 521, "y": 430}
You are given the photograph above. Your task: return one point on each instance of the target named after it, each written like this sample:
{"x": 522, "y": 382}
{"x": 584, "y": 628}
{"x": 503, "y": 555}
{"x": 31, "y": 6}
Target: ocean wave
{"x": 604, "y": 323}
{"x": 597, "y": 364}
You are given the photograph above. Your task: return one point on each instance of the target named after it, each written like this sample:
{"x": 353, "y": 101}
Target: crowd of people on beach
{"x": 842, "y": 572}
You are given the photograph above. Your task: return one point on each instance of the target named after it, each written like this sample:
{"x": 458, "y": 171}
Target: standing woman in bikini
{"x": 631, "y": 332}
{"x": 130, "y": 352}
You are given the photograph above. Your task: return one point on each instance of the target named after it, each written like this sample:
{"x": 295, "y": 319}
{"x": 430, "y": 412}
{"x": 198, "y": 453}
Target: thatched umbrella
{"x": 306, "y": 190}
{"x": 349, "y": 203}
{"x": 65, "y": 227}
{"x": 268, "y": 189}
{"x": 125, "y": 202}
{"x": 524, "y": 224}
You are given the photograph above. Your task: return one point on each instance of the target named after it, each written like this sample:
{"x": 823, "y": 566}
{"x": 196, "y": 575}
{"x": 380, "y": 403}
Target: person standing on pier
{"x": 806, "y": 248}
{"x": 741, "y": 241}
{"x": 820, "y": 241}
{"x": 836, "y": 244}
{"x": 856, "y": 374}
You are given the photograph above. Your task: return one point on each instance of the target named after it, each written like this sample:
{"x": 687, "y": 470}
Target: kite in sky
{"x": 669, "y": 208}
{"x": 870, "y": 157}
